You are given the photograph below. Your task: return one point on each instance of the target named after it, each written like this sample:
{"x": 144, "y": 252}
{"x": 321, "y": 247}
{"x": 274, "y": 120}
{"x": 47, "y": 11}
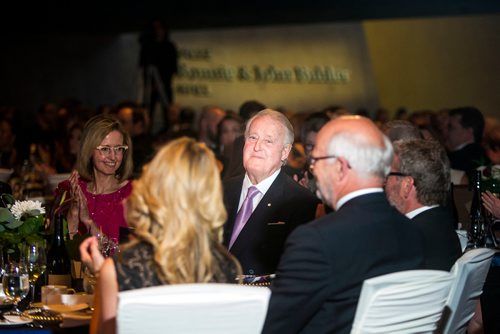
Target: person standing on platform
{"x": 264, "y": 205}
{"x": 319, "y": 278}
{"x": 158, "y": 62}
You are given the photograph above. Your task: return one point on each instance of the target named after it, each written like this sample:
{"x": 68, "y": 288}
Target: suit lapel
{"x": 232, "y": 191}
{"x": 261, "y": 216}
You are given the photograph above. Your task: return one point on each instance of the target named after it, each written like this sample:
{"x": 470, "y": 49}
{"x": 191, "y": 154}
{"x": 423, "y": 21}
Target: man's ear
{"x": 342, "y": 167}
{"x": 406, "y": 186}
{"x": 285, "y": 152}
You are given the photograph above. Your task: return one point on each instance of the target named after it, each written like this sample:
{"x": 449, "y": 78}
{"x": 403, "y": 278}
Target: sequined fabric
{"x": 106, "y": 210}
{"x": 135, "y": 267}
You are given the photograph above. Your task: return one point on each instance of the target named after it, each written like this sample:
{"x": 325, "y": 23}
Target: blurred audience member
{"x": 207, "y": 125}
{"x": 401, "y": 130}
{"x": 296, "y": 159}
{"x": 68, "y": 148}
{"x": 490, "y": 122}
{"x": 142, "y": 141}
{"x": 177, "y": 233}
{"x": 465, "y": 132}
{"x": 401, "y": 114}
{"x": 229, "y": 128}
{"x": 381, "y": 117}
{"x": 250, "y": 108}
{"x": 184, "y": 125}
{"x": 335, "y": 111}
{"x": 492, "y": 145}
{"x": 313, "y": 123}
{"x": 124, "y": 113}
{"x": 418, "y": 186}
{"x": 8, "y": 152}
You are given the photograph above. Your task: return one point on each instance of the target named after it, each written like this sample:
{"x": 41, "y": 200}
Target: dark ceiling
{"x": 111, "y": 16}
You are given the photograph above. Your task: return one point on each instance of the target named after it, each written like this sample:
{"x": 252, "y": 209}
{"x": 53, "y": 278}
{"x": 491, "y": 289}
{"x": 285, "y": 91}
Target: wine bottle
{"x": 58, "y": 262}
{"x": 477, "y": 216}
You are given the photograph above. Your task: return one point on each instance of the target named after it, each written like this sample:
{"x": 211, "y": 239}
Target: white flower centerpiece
{"x": 20, "y": 221}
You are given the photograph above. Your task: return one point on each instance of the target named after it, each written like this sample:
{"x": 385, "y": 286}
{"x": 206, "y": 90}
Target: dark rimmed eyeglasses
{"x": 397, "y": 174}
{"x": 313, "y": 160}
{"x": 106, "y": 150}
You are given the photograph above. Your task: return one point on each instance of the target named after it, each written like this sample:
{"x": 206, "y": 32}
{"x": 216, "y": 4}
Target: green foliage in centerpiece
{"x": 20, "y": 222}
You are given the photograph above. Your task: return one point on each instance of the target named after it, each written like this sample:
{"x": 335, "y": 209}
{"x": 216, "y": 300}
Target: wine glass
{"x": 36, "y": 262}
{"x": 107, "y": 246}
{"x": 16, "y": 283}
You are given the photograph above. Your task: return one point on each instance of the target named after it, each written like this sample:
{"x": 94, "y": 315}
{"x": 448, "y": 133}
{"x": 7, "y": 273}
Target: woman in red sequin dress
{"x": 100, "y": 184}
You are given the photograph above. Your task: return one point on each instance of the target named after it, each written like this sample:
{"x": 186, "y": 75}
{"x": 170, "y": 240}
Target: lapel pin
{"x": 268, "y": 204}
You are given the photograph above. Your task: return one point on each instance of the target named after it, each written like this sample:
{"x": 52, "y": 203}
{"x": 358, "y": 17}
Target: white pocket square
{"x": 277, "y": 223}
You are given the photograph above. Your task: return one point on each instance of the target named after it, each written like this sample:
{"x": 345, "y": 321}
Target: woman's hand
{"x": 90, "y": 254}
{"x": 78, "y": 211}
{"x": 491, "y": 203}
{"x": 73, "y": 216}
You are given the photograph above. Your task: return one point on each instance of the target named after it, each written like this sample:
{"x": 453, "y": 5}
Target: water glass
{"x": 16, "y": 282}
{"x": 36, "y": 262}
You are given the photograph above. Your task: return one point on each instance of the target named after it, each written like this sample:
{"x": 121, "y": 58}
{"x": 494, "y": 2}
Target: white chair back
{"x": 469, "y": 273}
{"x": 463, "y": 237}
{"x": 409, "y": 301}
{"x": 193, "y": 308}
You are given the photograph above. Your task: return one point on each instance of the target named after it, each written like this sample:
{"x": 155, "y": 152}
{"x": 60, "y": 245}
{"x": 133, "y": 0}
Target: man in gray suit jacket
{"x": 277, "y": 204}
{"x": 325, "y": 262}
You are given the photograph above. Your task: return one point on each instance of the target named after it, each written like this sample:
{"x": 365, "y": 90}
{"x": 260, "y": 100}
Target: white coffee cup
{"x": 50, "y": 290}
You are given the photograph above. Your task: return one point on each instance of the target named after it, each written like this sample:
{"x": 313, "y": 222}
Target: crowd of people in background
{"x": 53, "y": 136}
{"x": 289, "y": 187}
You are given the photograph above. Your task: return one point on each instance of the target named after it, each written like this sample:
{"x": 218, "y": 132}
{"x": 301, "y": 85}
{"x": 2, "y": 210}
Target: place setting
{"x": 56, "y": 306}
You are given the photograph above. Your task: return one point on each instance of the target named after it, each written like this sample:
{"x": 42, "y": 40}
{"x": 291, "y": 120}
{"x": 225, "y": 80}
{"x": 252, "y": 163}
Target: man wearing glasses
{"x": 325, "y": 262}
{"x": 418, "y": 187}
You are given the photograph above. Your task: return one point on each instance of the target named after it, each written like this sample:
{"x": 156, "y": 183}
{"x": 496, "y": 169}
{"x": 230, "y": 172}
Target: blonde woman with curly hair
{"x": 177, "y": 213}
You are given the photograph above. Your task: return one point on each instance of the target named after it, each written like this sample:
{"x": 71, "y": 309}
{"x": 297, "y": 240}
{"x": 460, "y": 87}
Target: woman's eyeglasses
{"x": 106, "y": 150}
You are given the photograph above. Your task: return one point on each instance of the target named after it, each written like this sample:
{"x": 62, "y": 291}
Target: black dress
{"x": 135, "y": 268}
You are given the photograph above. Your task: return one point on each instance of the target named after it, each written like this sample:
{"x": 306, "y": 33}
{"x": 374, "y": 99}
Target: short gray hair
{"x": 280, "y": 118}
{"x": 401, "y": 130}
{"x": 362, "y": 154}
{"x": 427, "y": 163}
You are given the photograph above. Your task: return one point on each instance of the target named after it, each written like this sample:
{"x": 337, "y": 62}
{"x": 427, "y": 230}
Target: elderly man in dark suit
{"x": 264, "y": 205}
{"x": 320, "y": 275}
{"x": 418, "y": 187}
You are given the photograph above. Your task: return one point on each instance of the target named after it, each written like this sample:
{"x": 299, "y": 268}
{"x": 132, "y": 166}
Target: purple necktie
{"x": 243, "y": 214}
